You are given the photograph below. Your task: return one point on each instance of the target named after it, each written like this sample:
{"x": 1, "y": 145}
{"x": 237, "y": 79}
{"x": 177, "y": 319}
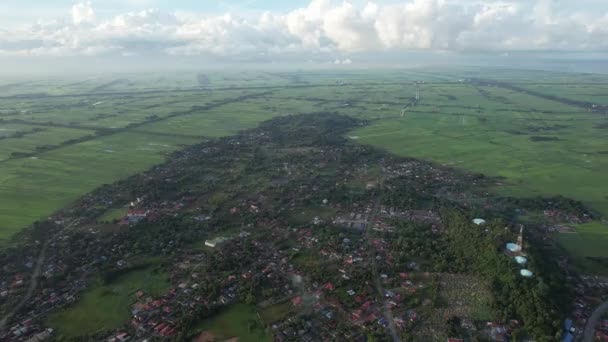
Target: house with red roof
{"x": 296, "y": 301}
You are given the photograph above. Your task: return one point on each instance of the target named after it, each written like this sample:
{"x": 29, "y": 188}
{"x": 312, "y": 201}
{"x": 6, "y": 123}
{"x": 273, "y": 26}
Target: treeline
{"x": 551, "y": 203}
{"x": 325, "y": 128}
{"x": 538, "y": 301}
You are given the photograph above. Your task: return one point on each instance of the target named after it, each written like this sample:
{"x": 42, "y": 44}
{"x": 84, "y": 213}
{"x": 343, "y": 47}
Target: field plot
{"x": 239, "y": 321}
{"x": 106, "y": 305}
{"x": 276, "y": 312}
{"x": 465, "y": 296}
{"x": 76, "y": 134}
{"x": 227, "y": 119}
{"x": 537, "y": 153}
{"x": 525, "y": 102}
{"x": 587, "y": 246}
{"x": 55, "y": 149}
{"x": 37, "y": 187}
{"x": 97, "y": 112}
{"x": 112, "y": 214}
{"x": 38, "y": 140}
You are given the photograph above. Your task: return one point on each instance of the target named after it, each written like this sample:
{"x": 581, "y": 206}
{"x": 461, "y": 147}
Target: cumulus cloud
{"x": 324, "y": 27}
{"x": 346, "y": 61}
{"x": 83, "y": 13}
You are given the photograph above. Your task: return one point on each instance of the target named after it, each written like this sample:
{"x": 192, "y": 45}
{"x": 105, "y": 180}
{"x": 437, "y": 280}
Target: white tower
{"x": 520, "y": 238}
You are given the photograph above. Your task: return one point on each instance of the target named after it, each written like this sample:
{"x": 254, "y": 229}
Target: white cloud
{"x": 324, "y": 27}
{"x": 346, "y": 61}
{"x": 83, "y": 13}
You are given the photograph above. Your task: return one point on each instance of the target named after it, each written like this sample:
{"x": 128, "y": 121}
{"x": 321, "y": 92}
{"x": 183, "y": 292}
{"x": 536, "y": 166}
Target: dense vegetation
{"x": 61, "y": 138}
{"x": 249, "y": 170}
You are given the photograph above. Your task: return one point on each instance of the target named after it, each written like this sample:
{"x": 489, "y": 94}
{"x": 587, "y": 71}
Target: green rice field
{"x": 105, "y": 306}
{"x": 239, "y": 321}
{"x": 112, "y": 214}
{"x": 61, "y": 138}
{"x": 587, "y": 246}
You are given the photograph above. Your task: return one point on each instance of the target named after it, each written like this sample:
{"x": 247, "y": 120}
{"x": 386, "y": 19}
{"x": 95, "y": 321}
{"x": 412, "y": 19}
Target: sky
{"x": 340, "y": 32}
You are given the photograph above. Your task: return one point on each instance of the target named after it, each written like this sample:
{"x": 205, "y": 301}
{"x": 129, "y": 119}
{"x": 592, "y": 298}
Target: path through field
{"x": 34, "y": 278}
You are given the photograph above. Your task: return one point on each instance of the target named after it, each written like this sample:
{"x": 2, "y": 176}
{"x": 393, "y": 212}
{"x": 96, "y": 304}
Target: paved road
{"x": 592, "y": 322}
{"x": 34, "y": 279}
{"x": 31, "y": 287}
{"x": 387, "y": 312}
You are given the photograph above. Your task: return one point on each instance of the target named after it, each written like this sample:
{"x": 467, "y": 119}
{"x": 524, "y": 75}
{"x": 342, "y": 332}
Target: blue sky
{"x": 16, "y": 12}
{"x": 23, "y": 9}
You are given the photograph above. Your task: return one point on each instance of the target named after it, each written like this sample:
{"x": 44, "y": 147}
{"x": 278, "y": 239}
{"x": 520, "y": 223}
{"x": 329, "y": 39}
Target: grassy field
{"x": 588, "y": 243}
{"x": 465, "y": 296}
{"x": 276, "y": 312}
{"x": 38, "y": 186}
{"x": 240, "y": 321}
{"x": 112, "y": 214}
{"x": 131, "y": 122}
{"x": 106, "y": 305}
{"x": 572, "y": 166}
{"x": 30, "y": 142}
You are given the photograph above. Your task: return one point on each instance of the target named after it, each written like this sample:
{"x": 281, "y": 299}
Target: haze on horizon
{"x": 96, "y": 35}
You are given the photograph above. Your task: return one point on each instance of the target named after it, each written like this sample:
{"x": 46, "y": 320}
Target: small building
{"x": 526, "y": 273}
{"x": 136, "y": 215}
{"x": 215, "y": 242}
{"x": 479, "y": 221}
{"x": 296, "y": 301}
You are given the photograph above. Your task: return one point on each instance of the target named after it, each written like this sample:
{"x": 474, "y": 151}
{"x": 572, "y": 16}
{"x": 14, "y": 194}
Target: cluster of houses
{"x": 601, "y": 330}
{"x": 338, "y": 294}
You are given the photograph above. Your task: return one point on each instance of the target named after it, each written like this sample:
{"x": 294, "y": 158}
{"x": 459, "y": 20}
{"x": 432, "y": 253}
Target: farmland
{"x": 106, "y": 306}
{"x": 239, "y": 321}
{"x": 314, "y": 246}
{"x": 60, "y": 139}
{"x": 587, "y": 245}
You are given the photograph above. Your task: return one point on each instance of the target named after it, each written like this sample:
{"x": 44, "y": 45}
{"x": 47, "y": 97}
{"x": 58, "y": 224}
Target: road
{"x": 34, "y": 278}
{"x": 592, "y": 321}
{"x": 31, "y": 287}
{"x": 386, "y": 311}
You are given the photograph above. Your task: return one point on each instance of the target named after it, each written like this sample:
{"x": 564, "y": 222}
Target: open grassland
{"x": 106, "y": 305}
{"x": 112, "y": 214}
{"x": 465, "y": 296}
{"x": 62, "y": 138}
{"x": 587, "y": 246}
{"x": 33, "y": 188}
{"x": 276, "y": 312}
{"x": 239, "y": 321}
{"x": 590, "y": 240}
{"x": 590, "y": 92}
{"x": 220, "y": 121}
{"x": 552, "y": 150}
{"x": 55, "y": 161}
{"x": 35, "y": 141}
{"x": 105, "y": 111}
{"x": 572, "y": 166}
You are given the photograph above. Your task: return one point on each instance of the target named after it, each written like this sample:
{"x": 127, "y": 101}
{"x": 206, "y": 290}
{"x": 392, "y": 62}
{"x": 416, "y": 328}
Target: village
{"x": 326, "y": 241}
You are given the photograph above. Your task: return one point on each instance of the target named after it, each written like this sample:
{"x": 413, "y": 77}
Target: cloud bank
{"x": 329, "y": 28}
